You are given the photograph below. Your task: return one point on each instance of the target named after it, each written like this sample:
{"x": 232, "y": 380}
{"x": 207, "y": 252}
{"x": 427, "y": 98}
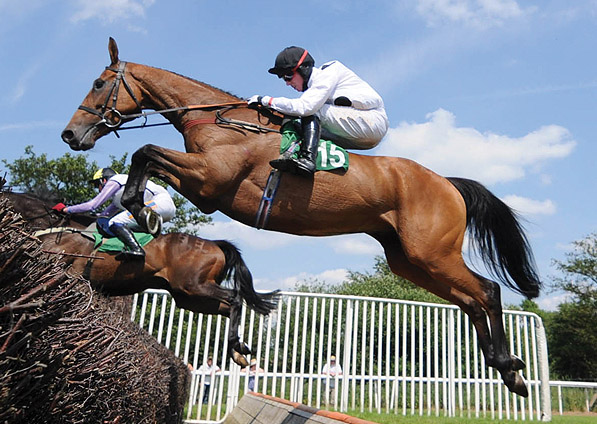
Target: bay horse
{"x": 192, "y": 269}
{"x": 419, "y": 217}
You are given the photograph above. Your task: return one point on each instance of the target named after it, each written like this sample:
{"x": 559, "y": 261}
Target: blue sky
{"x": 501, "y": 91}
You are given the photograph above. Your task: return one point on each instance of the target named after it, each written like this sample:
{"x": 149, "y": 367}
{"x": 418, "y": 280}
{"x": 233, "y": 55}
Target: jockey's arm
{"x": 107, "y": 192}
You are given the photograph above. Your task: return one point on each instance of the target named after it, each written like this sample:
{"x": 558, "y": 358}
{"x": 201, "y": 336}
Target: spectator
{"x": 331, "y": 371}
{"x": 206, "y": 372}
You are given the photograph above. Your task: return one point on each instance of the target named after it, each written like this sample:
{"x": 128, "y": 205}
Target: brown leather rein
{"x": 113, "y": 118}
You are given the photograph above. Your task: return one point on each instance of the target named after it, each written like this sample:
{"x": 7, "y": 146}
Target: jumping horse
{"x": 419, "y": 217}
{"x": 192, "y": 269}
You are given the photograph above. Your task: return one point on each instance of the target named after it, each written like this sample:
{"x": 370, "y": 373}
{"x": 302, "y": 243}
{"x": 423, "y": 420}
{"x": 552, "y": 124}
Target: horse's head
{"x": 105, "y": 108}
{"x": 38, "y": 212}
{"x": 34, "y": 210}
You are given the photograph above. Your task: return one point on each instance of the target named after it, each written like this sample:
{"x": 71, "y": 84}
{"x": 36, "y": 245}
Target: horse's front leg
{"x": 133, "y": 195}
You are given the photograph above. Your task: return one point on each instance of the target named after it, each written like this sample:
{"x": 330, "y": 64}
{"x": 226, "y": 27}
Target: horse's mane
{"x": 197, "y": 82}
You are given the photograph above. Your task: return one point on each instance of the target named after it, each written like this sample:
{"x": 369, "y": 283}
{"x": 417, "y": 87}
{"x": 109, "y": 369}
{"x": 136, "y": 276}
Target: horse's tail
{"x": 499, "y": 238}
{"x": 236, "y": 269}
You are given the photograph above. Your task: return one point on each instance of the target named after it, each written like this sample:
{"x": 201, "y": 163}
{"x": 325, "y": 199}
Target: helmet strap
{"x": 301, "y": 60}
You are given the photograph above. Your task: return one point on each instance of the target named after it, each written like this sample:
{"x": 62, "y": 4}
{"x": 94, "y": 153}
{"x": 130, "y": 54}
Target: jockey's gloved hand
{"x": 255, "y": 101}
{"x": 59, "y": 207}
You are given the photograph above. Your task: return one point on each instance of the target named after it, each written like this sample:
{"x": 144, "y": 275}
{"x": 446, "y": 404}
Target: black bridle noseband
{"x": 112, "y": 117}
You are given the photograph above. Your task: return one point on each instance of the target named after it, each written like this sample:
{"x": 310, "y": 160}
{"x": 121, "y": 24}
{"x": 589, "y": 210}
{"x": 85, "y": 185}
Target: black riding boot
{"x": 132, "y": 248}
{"x": 307, "y": 161}
{"x": 305, "y": 164}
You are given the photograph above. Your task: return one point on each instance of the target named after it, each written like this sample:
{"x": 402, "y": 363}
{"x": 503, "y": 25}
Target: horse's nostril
{"x": 67, "y": 135}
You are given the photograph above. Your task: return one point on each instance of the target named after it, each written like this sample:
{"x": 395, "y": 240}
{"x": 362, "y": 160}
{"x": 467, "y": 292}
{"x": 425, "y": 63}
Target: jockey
{"x": 350, "y": 111}
{"x": 121, "y": 222}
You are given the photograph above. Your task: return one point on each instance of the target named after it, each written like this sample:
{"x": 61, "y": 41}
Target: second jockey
{"x": 121, "y": 222}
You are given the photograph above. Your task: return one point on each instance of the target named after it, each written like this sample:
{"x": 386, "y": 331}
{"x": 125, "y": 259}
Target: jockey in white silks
{"x": 335, "y": 103}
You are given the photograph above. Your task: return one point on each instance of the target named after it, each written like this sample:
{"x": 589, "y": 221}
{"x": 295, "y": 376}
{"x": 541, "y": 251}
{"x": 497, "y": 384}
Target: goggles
{"x": 287, "y": 77}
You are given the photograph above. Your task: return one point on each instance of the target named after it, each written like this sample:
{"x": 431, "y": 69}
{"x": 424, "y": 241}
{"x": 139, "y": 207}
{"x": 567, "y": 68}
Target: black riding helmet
{"x": 293, "y": 59}
{"x": 100, "y": 174}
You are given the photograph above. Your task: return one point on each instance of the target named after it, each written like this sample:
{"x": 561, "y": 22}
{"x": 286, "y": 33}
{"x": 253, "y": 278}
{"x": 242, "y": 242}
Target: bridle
{"x": 112, "y": 118}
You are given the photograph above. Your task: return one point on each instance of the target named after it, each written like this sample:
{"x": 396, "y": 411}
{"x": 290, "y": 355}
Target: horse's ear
{"x": 113, "y": 49}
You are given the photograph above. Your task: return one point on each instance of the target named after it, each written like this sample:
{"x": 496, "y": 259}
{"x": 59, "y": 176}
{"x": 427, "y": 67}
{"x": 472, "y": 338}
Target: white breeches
{"x": 352, "y": 128}
{"x": 162, "y": 204}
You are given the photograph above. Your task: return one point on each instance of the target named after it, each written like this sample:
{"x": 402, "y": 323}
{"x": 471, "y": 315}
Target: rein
{"x": 113, "y": 118}
{"x": 56, "y": 230}
{"x": 220, "y": 120}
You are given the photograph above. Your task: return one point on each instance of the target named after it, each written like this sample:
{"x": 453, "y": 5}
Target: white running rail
{"x": 399, "y": 357}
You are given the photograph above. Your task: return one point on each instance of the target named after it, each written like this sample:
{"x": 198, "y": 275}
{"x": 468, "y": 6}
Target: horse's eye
{"x": 98, "y": 84}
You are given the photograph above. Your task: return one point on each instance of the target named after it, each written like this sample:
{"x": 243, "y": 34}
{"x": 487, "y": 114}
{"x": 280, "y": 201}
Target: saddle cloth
{"x": 112, "y": 244}
{"x": 329, "y": 156}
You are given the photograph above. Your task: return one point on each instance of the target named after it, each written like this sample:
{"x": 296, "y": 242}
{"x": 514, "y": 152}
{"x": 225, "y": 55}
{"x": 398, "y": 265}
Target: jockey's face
{"x": 101, "y": 184}
{"x": 296, "y": 82}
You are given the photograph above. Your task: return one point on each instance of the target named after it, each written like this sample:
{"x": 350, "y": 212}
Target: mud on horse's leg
{"x": 132, "y": 197}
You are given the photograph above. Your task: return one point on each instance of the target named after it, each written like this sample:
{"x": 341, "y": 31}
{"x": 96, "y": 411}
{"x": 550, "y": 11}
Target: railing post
{"x": 543, "y": 371}
{"x": 346, "y": 356}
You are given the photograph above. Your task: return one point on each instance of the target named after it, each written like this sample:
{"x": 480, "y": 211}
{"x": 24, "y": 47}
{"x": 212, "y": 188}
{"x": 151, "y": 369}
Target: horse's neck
{"x": 167, "y": 90}
{"x": 164, "y": 89}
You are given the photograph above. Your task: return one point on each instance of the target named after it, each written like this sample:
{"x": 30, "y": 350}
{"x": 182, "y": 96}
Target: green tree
{"x": 572, "y": 330}
{"x": 66, "y": 179}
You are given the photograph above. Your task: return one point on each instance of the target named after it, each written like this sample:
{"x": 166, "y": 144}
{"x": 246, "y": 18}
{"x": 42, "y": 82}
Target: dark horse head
{"x": 38, "y": 212}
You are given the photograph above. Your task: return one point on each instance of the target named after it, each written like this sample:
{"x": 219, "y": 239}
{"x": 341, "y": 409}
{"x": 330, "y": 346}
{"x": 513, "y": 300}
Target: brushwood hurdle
{"x": 397, "y": 357}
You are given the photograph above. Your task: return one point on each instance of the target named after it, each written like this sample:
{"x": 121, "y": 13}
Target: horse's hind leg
{"x": 196, "y": 287}
{"x": 225, "y": 303}
{"x": 236, "y": 348}
{"x": 450, "y": 279}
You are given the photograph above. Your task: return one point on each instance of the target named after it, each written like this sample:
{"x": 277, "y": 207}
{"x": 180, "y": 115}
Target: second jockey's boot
{"x": 132, "y": 248}
{"x": 306, "y": 162}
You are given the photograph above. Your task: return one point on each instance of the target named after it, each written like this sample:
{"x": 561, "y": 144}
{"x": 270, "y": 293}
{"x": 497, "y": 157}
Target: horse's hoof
{"x": 151, "y": 220}
{"x": 239, "y": 359}
{"x": 243, "y": 348}
{"x": 517, "y": 363}
{"x": 518, "y": 386}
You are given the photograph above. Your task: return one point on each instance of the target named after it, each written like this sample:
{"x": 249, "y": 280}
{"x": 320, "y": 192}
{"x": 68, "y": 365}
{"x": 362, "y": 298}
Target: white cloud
{"x": 20, "y": 87}
{"x": 355, "y": 244}
{"x": 109, "y": 10}
{"x": 257, "y": 239}
{"x": 350, "y": 244}
{"x": 460, "y": 151}
{"x": 31, "y": 125}
{"x": 332, "y": 276}
{"x": 527, "y": 206}
{"x": 565, "y": 247}
{"x": 551, "y": 303}
{"x": 479, "y": 14}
